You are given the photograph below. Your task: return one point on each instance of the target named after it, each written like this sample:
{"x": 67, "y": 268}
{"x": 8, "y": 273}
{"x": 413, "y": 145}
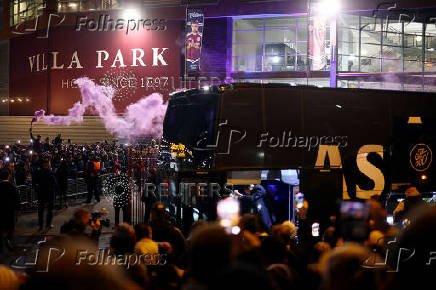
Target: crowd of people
{"x": 156, "y": 255}
{"x": 67, "y": 160}
{"x": 46, "y": 167}
{"x": 364, "y": 253}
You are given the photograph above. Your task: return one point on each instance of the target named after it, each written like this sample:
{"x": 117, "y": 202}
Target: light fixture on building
{"x": 327, "y": 7}
{"x": 418, "y": 38}
{"x": 424, "y": 177}
{"x": 72, "y": 5}
{"x": 414, "y": 120}
{"x": 131, "y": 13}
{"x": 276, "y": 59}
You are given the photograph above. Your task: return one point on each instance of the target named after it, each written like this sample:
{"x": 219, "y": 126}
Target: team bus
{"x": 328, "y": 143}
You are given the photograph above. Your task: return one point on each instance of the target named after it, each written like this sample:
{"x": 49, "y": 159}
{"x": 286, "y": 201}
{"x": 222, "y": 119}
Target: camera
{"x": 97, "y": 216}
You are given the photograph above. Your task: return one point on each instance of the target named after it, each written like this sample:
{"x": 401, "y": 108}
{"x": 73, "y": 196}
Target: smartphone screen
{"x": 228, "y": 213}
{"x": 299, "y": 199}
{"x": 353, "y": 220}
{"x": 315, "y": 229}
{"x": 354, "y": 210}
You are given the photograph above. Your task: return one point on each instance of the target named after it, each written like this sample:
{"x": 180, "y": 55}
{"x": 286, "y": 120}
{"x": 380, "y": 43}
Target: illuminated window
{"x": 23, "y": 10}
{"x": 86, "y": 5}
{"x": 269, "y": 44}
{"x": 370, "y": 44}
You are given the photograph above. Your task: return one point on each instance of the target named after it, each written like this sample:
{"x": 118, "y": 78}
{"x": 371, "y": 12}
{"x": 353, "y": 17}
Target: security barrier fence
{"x": 76, "y": 188}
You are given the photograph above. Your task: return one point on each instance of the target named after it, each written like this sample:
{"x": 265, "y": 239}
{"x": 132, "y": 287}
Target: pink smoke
{"x": 144, "y": 118}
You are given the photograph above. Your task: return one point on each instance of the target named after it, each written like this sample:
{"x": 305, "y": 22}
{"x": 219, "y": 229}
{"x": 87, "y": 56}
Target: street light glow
{"x": 131, "y": 13}
{"x": 327, "y": 7}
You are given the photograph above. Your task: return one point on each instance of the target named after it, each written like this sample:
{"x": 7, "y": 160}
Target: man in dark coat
{"x": 36, "y": 142}
{"x": 65, "y": 171}
{"x": 9, "y": 203}
{"x": 46, "y": 187}
{"x": 91, "y": 174}
{"x": 121, "y": 202}
{"x": 163, "y": 231}
{"x": 256, "y": 194}
{"x": 150, "y": 198}
{"x": 58, "y": 140}
{"x": 405, "y": 209}
{"x": 20, "y": 173}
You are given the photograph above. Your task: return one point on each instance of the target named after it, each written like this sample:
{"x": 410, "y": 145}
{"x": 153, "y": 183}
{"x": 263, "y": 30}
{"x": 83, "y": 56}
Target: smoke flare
{"x": 141, "y": 119}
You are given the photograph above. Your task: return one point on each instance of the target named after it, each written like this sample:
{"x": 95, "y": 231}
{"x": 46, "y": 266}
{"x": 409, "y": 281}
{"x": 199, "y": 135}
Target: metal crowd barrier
{"x": 76, "y": 188}
{"x": 27, "y": 195}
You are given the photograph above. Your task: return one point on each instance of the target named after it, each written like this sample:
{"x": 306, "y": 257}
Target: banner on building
{"x": 194, "y": 38}
{"x": 317, "y": 40}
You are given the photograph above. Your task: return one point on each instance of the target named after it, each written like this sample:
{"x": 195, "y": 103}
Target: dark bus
{"x": 328, "y": 143}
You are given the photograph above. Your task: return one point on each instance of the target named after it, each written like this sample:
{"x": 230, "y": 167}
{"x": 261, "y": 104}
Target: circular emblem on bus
{"x": 421, "y": 157}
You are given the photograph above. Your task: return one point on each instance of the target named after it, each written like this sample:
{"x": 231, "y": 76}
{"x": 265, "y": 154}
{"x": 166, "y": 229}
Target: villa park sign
{"x": 135, "y": 65}
{"x": 134, "y": 57}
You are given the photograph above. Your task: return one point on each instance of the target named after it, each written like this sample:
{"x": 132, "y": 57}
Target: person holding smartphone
{"x": 256, "y": 194}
